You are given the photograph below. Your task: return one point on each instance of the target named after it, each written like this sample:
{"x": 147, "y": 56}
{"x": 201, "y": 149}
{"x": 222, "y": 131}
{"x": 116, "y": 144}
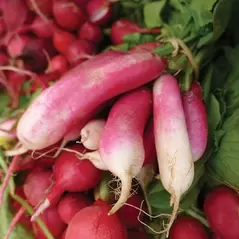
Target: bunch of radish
{"x": 112, "y": 111}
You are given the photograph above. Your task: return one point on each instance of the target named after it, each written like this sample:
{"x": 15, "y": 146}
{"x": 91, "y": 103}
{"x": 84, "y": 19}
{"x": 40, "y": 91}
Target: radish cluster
{"x": 98, "y": 111}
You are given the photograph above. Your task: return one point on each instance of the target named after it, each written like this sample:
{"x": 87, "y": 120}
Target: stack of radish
{"x": 113, "y": 111}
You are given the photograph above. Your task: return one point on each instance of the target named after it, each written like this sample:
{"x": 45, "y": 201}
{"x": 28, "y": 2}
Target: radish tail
{"x": 63, "y": 144}
{"x": 14, "y": 222}
{"x": 14, "y": 152}
{"x": 40, "y": 210}
{"x": 125, "y": 192}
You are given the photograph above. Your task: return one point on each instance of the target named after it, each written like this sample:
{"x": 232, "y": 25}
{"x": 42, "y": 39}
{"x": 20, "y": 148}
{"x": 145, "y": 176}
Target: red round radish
{"x": 42, "y": 28}
{"x": 53, "y": 222}
{"x": 44, "y": 6}
{"x": 16, "y": 44}
{"x": 68, "y": 15}
{"x": 81, "y": 3}
{"x": 62, "y": 40}
{"x": 2, "y": 27}
{"x": 90, "y": 32}
{"x": 64, "y": 235}
{"x": 129, "y": 215}
{"x": 187, "y": 227}
{"x": 37, "y": 185}
{"x": 221, "y": 209}
{"x": 70, "y": 204}
{"x": 99, "y": 11}
{"x": 196, "y": 119}
{"x": 93, "y": 222}
{"x": 122, "y": 27}
{"x": 79, "y": 51}
{"x": 3, "y": 59}
{"x": 59, "y": 64}
{"x": 148, "y": 46}
{"x": 72, "y": 175}
{"x": 121, "y": 143}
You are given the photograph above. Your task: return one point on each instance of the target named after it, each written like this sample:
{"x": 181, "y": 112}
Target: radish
{"x": 59, "y": 64}
{"x": 2, "y": 27}
{"x": 81, "y": 3}
{"x": 148, "y": 46}
{"x": 70, "y": 175}
{"x": 68, "y": 15}
{"x": 3, "y": 59}
{"x": 173, "y": 148}
{"x": 63, "y": 235}
{"x": 122, "y": 27}
{"x": 107, "y": 75}
{"x": 16, "y": 81}
{"x": 70, "y": 204}
{"x": 187, "y": 227}
{"x": 37, "y": 185}
{"x": 99, "y": 11}
{"x": 7, "y": 129}
{"x": 221, "y": 210}
{"x": 121, "y": 143}
{"x": 196, "y": 119}
{"x": 17, "y": 44}
{"x": 90, "y": 32}
{"x": 91, "y": 133}
{"x": 129, "y": 215}
{"x": 79, "y": 51}
{"x": 53, "y": 222}
{"x": 62, "y": 39}
{"x": 44, "y": 7}
{"x": 93, "y": 222}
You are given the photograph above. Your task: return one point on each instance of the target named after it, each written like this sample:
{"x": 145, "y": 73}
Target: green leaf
{"x": 221, "y": 16}
{"x": 152, "y": 14}
{"x": 133, "y": 38}
{"x": 4, "y": 102}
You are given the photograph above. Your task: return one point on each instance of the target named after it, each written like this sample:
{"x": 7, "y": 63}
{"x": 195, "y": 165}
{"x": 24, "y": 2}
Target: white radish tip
{"x": 14, "y": 152}
{"x": 40, "y": 210}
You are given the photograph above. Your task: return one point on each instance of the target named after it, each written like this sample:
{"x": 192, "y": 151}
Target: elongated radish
{"x": 173, "y": 148}
{"x": 187, "y": 227}
{"x": 93, "y": 222}
{"x": 90, "y": 32}
{"x": 122, "y": 27}
{"x": 71, "y": 204}
{"x": 37, "y": 185}
{"x": 221, "y": 210}
{"x": 148, "y": 46}
{"x": 91, "y": 133}
{"x": 196, "y": 119}
{"x": 121, "y": 143}
{"x": 68, "y": 15}
{"x": 107, "y": 75}
{"x": 72, "y": 175}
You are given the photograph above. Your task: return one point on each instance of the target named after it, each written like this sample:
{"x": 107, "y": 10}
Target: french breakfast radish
{"x": 172, "y": 143}
{"x": 72, "y": 175}
{"x": 196, "y": 120}
{"x": 121, "y": 143}
{"x": 221, "y": 210}
{"x": 70, "y": 204}
{"x": 91, "y": 133}
{"x": 107, "y": 75}
{"x": 186, "y": 227}
{"x": 93, "y": 222}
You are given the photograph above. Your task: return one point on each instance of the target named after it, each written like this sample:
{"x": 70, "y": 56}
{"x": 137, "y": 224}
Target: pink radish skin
{"x": 93, "y": 222}
{"x": 221, "y": 210}
{"x": 122, "y": 27}
{"x": 173, "y": 147}
{"x": 72, "y": 175}
{"x": 53, "y": 221}
{"x": 70, "y": 204}
{"x": 36, "y": 186}
{"x": 78, "y": 51}
{"x": 107, "y": 75}
{"x": 90, "y": 32}
{"x": 91, "y": 133}
{"x": 68, "y": 15}
{"x": 99, "y": 11}
{"x": 187, "y": 227}
{"x": 121, "y": 143}
{"x": 148, "y": 46}
{"x": 196, "y": 119}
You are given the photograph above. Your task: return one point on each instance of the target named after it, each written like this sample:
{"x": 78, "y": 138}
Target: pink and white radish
{"x": 173, "y": 147}
{"x": 80, "y": 91}
{"x": 121, "y": 143}
{"x": 91, "y": 133}
{"x": 196, "y": 119}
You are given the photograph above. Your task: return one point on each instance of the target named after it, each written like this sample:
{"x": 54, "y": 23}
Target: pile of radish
{"x": 98, "y": 111}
